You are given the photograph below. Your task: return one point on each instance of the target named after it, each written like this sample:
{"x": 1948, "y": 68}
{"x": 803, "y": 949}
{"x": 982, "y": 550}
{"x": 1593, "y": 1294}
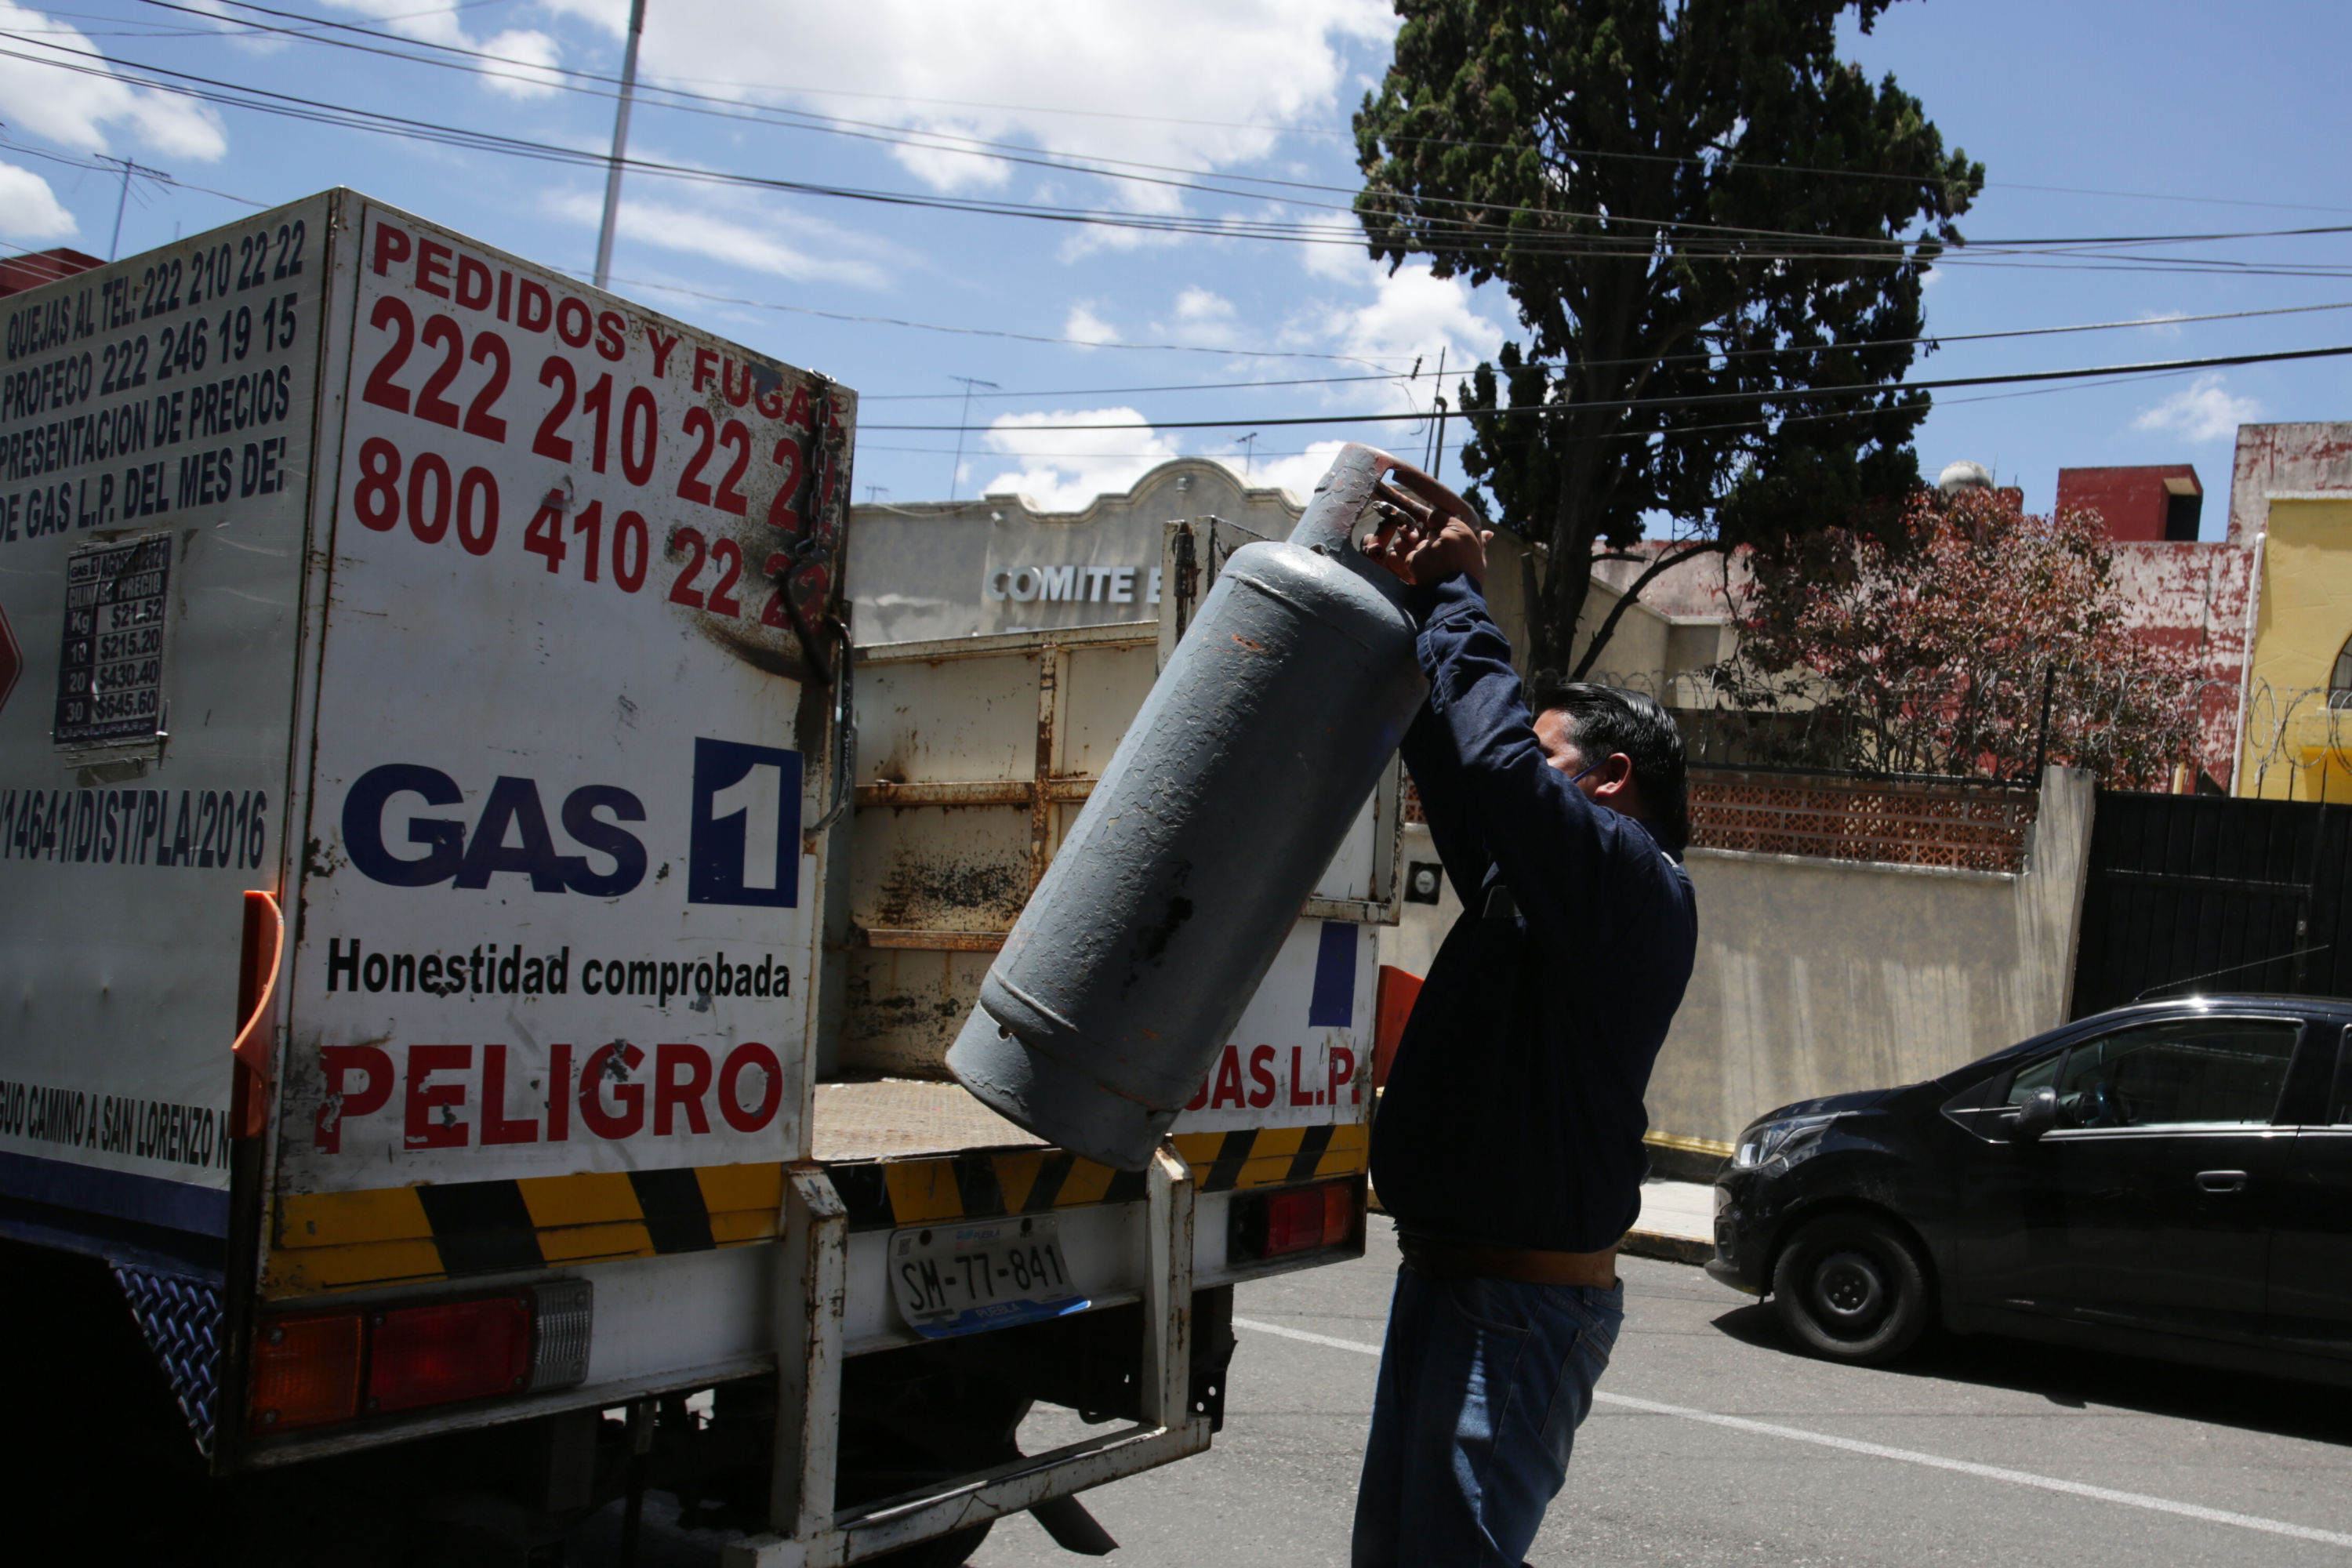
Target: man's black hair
{"x": 1606, "y": 720}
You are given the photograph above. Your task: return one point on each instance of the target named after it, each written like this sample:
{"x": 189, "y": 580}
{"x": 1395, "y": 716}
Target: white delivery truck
{"x": 478, "y": 936}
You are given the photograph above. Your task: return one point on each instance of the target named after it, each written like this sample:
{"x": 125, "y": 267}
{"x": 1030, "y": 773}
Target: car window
{"x": 2339, "y": 1098}
{"x": 2042, "y": 1074}
{"x": 2188, "y": 1071}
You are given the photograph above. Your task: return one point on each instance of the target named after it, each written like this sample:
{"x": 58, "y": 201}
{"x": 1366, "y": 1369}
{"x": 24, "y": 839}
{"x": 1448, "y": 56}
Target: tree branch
{"x": 1631, "y": 594}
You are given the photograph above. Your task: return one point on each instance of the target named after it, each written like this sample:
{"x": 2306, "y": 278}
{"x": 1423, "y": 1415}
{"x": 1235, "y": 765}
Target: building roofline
{"x": 1152, "y": 478}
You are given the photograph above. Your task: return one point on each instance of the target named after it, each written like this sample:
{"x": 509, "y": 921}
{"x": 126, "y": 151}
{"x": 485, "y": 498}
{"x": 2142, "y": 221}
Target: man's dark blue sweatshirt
{"x": 1513, "y": 1114}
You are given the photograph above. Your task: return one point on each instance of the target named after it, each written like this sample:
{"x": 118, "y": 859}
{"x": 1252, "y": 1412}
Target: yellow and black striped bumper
{"x": 400, "y": 1235}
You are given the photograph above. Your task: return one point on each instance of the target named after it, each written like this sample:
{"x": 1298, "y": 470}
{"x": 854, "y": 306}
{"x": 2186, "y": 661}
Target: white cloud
{"x": 523, "y": 48}
{"x": 1414, "y": 312}
{"x": 2204, "y": 410}
{"x": 1200, "y": 83}
{"x": 1063, "y": 470}
{"x": 1339, "y": 263}
{"x": 2162, "y": 323}
{"x": 1204, "y": 320}
{"x": 74, "y": 107}
{"x": 1084, "y": 325}
{"x": 695, "y": 232}
{"x": 526, "y": 49}
{"x": 29, "y": 209}
{"x": 1299, "y": 472}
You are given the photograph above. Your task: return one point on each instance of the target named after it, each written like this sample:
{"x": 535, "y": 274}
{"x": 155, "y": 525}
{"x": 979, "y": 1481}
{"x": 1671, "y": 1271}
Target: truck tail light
{"x": 448, "y": 1352}
{"x": 1296, "y": 1219}
{"x": 306, "y": 1370}
{"x": 313, "y": 1368}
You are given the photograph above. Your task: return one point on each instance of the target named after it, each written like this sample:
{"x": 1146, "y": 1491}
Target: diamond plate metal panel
{"x": 181, "y": 1318}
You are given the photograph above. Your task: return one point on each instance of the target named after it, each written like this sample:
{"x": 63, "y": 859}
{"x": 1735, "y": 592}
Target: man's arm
{"x": 1552, "y": 844}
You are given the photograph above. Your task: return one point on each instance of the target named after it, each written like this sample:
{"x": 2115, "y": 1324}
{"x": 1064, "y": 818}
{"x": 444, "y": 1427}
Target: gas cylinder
{"x": 1221, "y": 808}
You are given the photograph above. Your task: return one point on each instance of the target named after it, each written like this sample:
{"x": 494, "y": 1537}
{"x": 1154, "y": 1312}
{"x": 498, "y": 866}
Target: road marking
{"x": 1881, "y": 1451}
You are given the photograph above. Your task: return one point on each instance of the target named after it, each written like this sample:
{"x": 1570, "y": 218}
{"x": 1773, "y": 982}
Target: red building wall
{"x": 2149, "y": 504}
{"x": 36, "y": 268}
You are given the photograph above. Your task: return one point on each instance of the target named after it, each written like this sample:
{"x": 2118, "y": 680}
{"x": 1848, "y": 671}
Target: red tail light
{"x": 1296, "y": 1219}
{"x": 311, "y": 1368}
{"x": 451, "y": 1350}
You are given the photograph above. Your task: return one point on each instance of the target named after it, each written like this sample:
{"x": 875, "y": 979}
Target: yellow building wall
{"x": 2296, "y": 747}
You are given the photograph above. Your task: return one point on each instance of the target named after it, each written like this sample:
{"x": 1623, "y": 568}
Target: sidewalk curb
{"x": 1673, "y": 1249}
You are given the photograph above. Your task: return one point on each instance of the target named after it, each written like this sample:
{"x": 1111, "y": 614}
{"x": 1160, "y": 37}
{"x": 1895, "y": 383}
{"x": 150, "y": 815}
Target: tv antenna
{"x": 968, "y": 382}
{"x": 114, "y": 245}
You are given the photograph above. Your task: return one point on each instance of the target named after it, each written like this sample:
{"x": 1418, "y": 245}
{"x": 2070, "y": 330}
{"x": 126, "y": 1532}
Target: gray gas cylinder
{"x": 1225, "y": 803}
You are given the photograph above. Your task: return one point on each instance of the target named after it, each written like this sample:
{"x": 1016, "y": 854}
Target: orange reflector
{"x": 455, "y": 1350}
{"x": 306, "y": 1370}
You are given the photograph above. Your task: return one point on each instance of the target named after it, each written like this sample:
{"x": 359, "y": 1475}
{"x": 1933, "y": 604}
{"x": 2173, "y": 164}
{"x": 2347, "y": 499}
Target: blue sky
{"x": 2092, "y": 119}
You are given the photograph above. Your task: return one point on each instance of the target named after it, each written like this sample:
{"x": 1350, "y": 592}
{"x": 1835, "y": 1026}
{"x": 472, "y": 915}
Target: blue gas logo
{"x": 509, "y": 834}
{"x": 745, "y": 845}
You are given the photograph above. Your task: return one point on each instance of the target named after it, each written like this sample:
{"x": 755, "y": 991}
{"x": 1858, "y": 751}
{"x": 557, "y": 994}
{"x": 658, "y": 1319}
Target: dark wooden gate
{"x": 2211, "y": 893}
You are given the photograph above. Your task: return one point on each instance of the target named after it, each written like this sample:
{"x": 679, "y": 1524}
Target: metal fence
{"x": 2297, "y": 743}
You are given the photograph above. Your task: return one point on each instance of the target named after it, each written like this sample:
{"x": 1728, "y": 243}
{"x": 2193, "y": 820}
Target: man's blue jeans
{"x": 1483, "y": 1385}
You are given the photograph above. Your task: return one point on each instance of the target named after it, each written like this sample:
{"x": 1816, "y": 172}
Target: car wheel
{"x": 1850, "y": 1289}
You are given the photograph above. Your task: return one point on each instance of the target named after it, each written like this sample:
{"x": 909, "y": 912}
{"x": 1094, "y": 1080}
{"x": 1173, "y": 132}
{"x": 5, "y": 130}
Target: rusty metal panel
{"x": 1101, "y": 689}
{"x": 904, "y": 1007}
{"x": 938, "y": 866}
{"x": 960, "y": 720}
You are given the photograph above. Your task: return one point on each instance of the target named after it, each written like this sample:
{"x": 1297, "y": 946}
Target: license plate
{"x": 952, "y": 1279}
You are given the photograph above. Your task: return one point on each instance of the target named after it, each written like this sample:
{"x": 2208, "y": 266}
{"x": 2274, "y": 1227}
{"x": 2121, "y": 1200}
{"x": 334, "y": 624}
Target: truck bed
{"x": 889, "y": 1119}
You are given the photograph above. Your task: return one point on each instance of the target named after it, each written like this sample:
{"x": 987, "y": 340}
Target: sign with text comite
{"x": 557, "y": 906}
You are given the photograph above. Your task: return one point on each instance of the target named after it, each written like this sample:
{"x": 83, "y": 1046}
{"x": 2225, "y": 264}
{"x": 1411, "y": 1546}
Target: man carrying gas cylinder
{"x": 1509, "y": 1141}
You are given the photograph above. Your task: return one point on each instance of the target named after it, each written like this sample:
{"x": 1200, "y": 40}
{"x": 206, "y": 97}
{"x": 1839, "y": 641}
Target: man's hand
{"x": 1420, "y": 557}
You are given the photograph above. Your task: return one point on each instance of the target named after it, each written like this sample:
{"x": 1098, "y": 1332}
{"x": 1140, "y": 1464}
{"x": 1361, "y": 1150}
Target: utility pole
{"x": 956, "y": 473}
{"x": 620, "y": 144}
{"x": 1249, "y": 454}
{"x": 1437, "y": 464}
{"x": 114, "y": 245}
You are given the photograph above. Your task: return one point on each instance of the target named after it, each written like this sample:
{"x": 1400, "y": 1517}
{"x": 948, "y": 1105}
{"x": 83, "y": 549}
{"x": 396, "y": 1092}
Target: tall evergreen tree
{"x": 1704, "y": 216}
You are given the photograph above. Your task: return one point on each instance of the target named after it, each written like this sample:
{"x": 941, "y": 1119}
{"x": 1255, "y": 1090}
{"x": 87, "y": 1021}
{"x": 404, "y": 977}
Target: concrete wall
{"x": 1819, "y": 976}
{"x": 953, "y": 569}
{"x": 2274, "y": 459}
{"x": 2296, "y": 746}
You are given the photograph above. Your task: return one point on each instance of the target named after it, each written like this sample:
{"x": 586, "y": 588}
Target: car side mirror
{"x": 2036, "y": 1115}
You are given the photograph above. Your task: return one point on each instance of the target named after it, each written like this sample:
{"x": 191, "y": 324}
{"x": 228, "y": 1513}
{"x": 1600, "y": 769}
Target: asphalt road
{"x": 1715, "y": 1443}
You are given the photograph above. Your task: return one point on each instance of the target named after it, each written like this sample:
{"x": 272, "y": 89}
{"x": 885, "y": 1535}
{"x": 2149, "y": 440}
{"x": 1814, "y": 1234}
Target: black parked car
{"x": 2172, "y": 1179}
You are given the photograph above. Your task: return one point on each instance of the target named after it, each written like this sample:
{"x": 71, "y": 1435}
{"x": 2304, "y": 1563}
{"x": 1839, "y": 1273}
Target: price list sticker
{"x": 110, "y": 659}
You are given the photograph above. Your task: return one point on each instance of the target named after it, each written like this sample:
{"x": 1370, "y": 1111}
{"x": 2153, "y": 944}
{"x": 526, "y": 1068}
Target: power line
{"x": 1886, "y": 248}
{"x": 318, "y": 23}
{"x": 866, "y": 397}
{"x": 210, "y": 89}
{"x": 1692, "y": 400}
{"x": 1931, "y": 339}
{"x": 990, "y": 331}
